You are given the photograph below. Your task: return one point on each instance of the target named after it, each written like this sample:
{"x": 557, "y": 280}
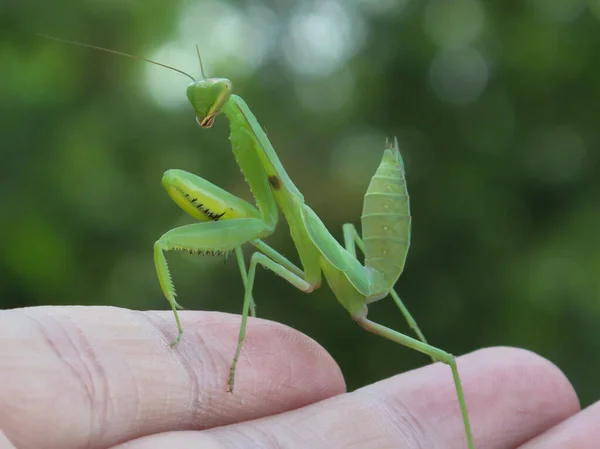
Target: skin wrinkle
{"x": 335, "y": 430}
{"x": 215, "y": 358}
{"x": 399, "y": 417}
{"x": 234, "y": 439}
{"x": 132, "y": 411}
{"x": 245, "y": 361}
{"x": 86, "y": 387}
{"x": 137, "y": 406}
{"x": 138, "y": 403}
{"x": 161, "y": 329}
{"x": 253, "y": 346}
{"x": 433, "y": 394}
{"x": 214, "y": 404}
{"x": 379, "y": 442}
{"x": 89, "y": 371}
{"x": 313, "y": 348}
{"x": 241, "y": 394}
{"x": 280, "y": 363}
{"x": 183, "y": 360}
{"x": 268, "y": 440}
{"x": 198, "y": 363}
{"x": 402, "y": 423}
{"x": 100, "y": 396}
{"x": 47, "y": 335}
{"x": 304, "y": 433}
{"x": 213, "y": 355}
{"x": 100, "y": 401}
{"x": 221, "y": 405}
{"x": 286, "y": 366}
{"x": 417, "y": 416}
{"x": 280, "y": 337}
{"x": 184, "y": 365}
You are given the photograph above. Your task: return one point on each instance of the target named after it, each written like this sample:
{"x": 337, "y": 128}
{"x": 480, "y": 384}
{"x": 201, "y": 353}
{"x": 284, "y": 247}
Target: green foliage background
{"x": 496, "y": 108}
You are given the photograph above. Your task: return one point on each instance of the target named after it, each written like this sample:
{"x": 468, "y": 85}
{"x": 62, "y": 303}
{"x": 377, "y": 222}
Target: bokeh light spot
{"x": 379, "y": 7}
{"x": 556, "y": 155}
{"x": 558, "y": 10}
{"x": 322, "y": 35}
{"x": 331, "y": 94}
{"x": 454, "y": 24}
{"x": 356, "y": 157}
{"x": 459, "y": 76}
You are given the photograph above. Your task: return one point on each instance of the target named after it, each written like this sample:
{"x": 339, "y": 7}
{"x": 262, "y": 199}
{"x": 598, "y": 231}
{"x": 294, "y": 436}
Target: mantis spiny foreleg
{"x": 227, "y": 222}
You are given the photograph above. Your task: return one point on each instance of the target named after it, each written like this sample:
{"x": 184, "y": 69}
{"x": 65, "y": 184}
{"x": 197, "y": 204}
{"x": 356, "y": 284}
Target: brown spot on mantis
{"x": 275, "y": 182}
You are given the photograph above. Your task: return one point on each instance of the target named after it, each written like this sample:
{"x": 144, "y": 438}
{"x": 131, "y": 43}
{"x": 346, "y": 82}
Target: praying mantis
{"x": 226, "y": 223}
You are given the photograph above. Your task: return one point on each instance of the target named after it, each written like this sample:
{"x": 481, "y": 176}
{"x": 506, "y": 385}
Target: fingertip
{"x": 276, "y": 361}
{"x": 92, "y": 356}
{"x": 508, "y": 366}
{"x": 280, "y": 359}
{"x": 529, "y": 393}
{"x": 511, "y": 395}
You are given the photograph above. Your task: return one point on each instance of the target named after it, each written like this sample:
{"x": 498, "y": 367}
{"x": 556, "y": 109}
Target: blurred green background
{"x": 496, "y": 108}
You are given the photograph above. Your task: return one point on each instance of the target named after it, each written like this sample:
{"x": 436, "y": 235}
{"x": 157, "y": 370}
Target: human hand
{"x": 102, "y": 377}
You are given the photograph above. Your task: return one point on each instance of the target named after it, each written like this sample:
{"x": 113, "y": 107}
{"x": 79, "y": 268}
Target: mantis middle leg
{"x": 281, "y": 266}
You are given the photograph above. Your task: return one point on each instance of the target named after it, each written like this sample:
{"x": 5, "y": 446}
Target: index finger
{"x": 96, "y": 376}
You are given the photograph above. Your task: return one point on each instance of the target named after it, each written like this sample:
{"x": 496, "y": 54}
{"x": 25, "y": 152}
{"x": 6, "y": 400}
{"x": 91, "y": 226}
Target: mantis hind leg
{"x": 351, "y": 240}
{"x": 434, "y": 353}
{"x": 280, "y": 270}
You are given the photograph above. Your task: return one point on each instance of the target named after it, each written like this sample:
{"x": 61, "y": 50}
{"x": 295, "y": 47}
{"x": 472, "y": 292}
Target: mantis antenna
{"x": 200, "y": 59}
{"x": 140, "y": 58}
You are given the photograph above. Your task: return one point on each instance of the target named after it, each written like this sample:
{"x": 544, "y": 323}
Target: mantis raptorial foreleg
{"x": 199, "y": 238}
{"x": 227, "y": 223}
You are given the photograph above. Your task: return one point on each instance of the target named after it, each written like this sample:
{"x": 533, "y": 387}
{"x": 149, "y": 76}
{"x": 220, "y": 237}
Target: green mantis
{"x": 226, "y": 223}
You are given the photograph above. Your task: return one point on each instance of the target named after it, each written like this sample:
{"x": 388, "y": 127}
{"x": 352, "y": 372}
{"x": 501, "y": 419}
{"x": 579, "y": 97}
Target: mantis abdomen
{"x": 386, "y": 219}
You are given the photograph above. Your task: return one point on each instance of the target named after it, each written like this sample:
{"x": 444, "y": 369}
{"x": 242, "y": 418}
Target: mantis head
{"x": 208, "y": 96}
